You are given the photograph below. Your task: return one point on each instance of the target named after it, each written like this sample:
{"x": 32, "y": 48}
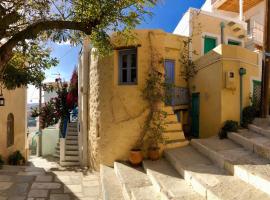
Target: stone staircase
{"x": 71, "y": 146}
{"x": 234, "y": 168}
{"x": 173, "y": 135}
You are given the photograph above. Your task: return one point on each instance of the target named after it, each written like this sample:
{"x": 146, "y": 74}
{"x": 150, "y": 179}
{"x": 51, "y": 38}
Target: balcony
{"x": 233, "y": 5}
{"x": 255, "y": 33}
{"x": 177, "y": 96}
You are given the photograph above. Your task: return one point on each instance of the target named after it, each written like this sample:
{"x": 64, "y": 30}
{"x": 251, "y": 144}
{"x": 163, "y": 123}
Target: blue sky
{"x": 166, "y": 16}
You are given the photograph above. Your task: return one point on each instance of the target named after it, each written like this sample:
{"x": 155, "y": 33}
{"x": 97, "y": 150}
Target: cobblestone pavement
{"x": 45, "y": 180}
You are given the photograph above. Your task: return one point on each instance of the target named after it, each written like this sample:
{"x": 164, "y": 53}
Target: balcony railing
{"x": 177, "y": 96}
{"x": 256, "y": 32}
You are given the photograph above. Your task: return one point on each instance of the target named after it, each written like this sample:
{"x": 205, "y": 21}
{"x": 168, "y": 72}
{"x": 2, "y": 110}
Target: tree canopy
{"x": 25, "y": 24}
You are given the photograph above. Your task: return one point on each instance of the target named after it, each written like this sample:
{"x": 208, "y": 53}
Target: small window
{"x": 233, "y": 42}
{"x": 10, "y": 130}
{"x": 128, "y": 67}
{"x": 209, "y": 43}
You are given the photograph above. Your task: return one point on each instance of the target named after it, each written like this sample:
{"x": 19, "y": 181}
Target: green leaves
{"x": 27, "y": 65}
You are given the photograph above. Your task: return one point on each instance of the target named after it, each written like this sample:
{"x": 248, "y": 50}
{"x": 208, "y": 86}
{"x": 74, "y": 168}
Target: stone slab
{"x": 38, "y": 185}
{"x": 44, "y": 178}
{"x": 111, "y": 188}
{"x": 59, "y": 197}
{"x": 145, "y": 193}
{"x": 209, "y": 180}
{"x": 242, "y": 163}
{"x": 130, "y": 178}
{"x": 166, "y": 180}
{"x": 38, "y": 193}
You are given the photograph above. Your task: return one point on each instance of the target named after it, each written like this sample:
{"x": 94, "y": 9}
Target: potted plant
{"x": 229, "y": 126}
{"x": 135, "y": 154}
{"x": 16, "y": 158}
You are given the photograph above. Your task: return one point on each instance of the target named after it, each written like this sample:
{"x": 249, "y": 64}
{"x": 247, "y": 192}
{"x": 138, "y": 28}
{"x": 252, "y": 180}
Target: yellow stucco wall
{"x": 217, "y": 103}
{"x": 206, "y": 25}
{"x": 240, "y": 58}
{"x": 15, "y": 102}
{"x": 117, "y": 112}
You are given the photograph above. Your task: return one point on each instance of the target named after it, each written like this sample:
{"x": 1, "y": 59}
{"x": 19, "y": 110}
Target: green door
{"x": 233, "y": 42}
{"x": 195, "y": 115}
{"x": 209, "y": 44}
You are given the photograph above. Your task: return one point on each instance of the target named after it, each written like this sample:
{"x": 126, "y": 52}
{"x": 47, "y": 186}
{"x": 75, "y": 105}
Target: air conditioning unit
{"x": 230, "y": 80}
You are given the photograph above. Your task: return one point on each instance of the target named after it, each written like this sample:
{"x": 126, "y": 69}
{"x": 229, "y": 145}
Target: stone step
{"x": 72, "y": 147}
{"x": 72, "y": 152}
{"x": 111, "y": 188}
{"x": 72, "y": 134}
{"x": 171, "y": 119}
{"x": 252, "y": 141}
{"x": 168, "y": 182}
{"x": 72, "y": 131}
{"x": 71, "y": 158}
{"x": 132, "y": 179}
{"x": 175, "y": 144}
{"x": 70, "y": 163}
{"x": 174, "y": 127}
{"x": 173, "y": 135}
{"x": 238, "y": 161}
{"x": 168, "y": 110}
{"x": 71, "y": 137}
{"x": 72, "y": 142}
{"x": 259, "y": 129}
{"x": 72, "y": 126}
{"x": 145, "y": 193}
{"x": 209, "y": 180}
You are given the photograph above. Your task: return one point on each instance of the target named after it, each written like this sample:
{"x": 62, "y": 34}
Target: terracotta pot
{"x": 153, "y": 154}
{"x": 135, "y": 157}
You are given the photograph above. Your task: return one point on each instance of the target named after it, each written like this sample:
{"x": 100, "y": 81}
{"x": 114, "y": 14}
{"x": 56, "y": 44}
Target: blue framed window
{"x": 128, "y": 67}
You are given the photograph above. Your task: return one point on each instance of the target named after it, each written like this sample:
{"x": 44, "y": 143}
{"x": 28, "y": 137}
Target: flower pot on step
{"x": 135, "y": 157}
{"x": 153, "y": 153}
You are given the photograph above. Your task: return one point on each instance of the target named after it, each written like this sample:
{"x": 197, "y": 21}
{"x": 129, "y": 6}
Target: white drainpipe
{"x": 241, "y": 10}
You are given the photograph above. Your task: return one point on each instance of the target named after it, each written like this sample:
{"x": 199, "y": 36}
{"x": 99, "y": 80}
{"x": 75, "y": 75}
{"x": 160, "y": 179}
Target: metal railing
{"x": 178, "y": 96}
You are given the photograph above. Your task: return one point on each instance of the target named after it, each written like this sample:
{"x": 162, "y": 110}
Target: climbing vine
{"x": 154, "y": 93}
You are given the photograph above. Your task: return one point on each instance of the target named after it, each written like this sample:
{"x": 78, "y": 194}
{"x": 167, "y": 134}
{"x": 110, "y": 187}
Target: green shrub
{"x": 249, "y": 113}
{"x": 229, "y": 126}
{"x": 16, "y": 158}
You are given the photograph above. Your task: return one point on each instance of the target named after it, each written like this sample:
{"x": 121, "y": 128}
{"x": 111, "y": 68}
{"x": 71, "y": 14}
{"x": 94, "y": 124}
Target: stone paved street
{"x": 46, "y": 180}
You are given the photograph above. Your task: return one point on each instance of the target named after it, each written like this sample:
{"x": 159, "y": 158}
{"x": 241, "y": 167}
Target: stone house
{"x": 112, "y": 110}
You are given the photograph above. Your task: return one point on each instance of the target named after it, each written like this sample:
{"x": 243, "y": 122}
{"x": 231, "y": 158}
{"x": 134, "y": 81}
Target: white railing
{"x": 256, "y": 32}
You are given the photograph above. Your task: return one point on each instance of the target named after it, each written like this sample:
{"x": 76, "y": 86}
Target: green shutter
{"x": 209, "y": 44}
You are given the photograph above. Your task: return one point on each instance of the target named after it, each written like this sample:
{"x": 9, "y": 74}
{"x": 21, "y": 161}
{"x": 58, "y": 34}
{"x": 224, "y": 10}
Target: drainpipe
{"x": 242, "y": 72}
{"x": 241, "y": 10}
{"x": 222, "y": 26}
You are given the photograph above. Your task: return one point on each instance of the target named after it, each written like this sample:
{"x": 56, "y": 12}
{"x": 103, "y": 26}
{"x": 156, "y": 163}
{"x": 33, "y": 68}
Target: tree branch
{"x": 32, "y": 31}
